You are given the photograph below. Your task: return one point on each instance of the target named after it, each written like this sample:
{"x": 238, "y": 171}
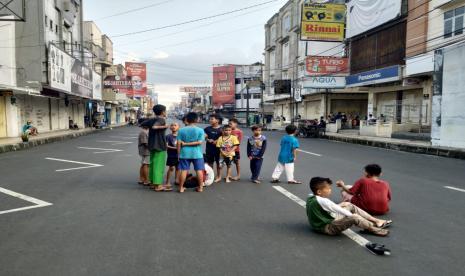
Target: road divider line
{"x": 349, "y": 233}
{"x": 88, "y": 165}
{"x": 37, "y": 202}
{"x": 311, "y": 153}
{"x": 114, "y": 143}
{"x": 455, "y": 189}
{"x": 100, "y": 150}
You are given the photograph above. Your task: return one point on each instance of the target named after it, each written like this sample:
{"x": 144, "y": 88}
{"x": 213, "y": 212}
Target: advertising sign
{"x": 224, "y": 87}
{"x": 97, "y": 86}
{"x": 325, "y": 82}
{"x": 60, "y": 69}
{"x": 137, "y": 74}
{"x": 316, "y": 65}
{"x": 323, "y": 22}
{"x": 364, "y": 15}
{"x": 383, "y": 75}
{"x": 81, "y": 80}
{"x": 195, "y": 89}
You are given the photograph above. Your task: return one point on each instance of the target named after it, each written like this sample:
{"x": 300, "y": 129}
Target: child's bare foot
{"x": 383, "y": 223}
{"x": 199, "y": 189}
{"x": 236, "y": 178}
{"x": 379, "y": 232}
{"x": 182, "y": 190}
{"x": 217, "y": 180}
{"x": 228, "y": 180}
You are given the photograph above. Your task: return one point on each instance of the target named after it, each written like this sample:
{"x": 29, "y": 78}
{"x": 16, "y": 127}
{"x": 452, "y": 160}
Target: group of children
{"x": 182, "y": 148}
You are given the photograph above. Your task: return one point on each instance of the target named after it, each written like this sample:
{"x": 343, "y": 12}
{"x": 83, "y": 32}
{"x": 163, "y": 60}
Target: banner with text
{"x": 224, "y": 87}
{"x": 316, "y": 65}
{"x": 137, "y": 74}
{"x": 323, "y": 22}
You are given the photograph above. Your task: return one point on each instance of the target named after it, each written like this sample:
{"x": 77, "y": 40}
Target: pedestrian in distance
{"x": 212, "y": 153}
{"x": 172, "y": 161}
{"x": 287, "y": 156}
{"x": 369, "y": 193}
{"x": 256, "y": 147}
{"x": 190, "y": 139}
{"x": 330, "y": 218}
{"x": 144, "y": 153}
{"x": 236, "y": 131}
{"x": 227, "y": 145}
{"x": 157, "y": 146}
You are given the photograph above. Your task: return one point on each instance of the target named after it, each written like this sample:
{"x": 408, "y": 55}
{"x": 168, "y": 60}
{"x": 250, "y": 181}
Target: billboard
{"x": 195, "y": 89}
{"x": 323, "y": 22}
{"x": 364, "y": 15}
{"x": 316, "y": 65}
{"x": 137, "y": 74}
{"x": 325, "y": 82}
{"x": 224, "y": 87}
{"x": 97, "y": 86}
{"x": 81, "y": 79}
{"x": 60, "y": 69}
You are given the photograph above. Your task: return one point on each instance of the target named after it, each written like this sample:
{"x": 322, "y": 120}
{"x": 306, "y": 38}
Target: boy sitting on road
{"x": 287, "y": 156}
{"x": 207, "y": 178}
{"x": 190, "y": 140}
{"x": 227, "y": 144}
{"x": 369, "y": 193}
{"x": 330, "y": 218}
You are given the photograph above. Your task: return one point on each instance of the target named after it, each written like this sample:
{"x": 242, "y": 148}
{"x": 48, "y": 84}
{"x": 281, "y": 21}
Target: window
{"x": 256, "y": 96}
{"x": 238, "y": 96}
{"x": 286, "y": 24}
{"x": 51, "y": 25}
{"x": 453, "y": 22}
{"x": 46, "y": 21}
{"x": 238, "y": 81}
{"x": 56, "y": 28}
{"x": 285, "y": 56}
{"x": 273, "y": 33}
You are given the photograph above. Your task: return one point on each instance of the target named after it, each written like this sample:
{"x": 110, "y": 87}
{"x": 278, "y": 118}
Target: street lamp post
{"x": 247, "y": 107}
{"x": 262, "y": 88}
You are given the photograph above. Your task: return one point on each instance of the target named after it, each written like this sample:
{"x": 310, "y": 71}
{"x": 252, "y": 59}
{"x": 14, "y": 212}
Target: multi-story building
{"x": 288, "y": 59}
{"x": 446, "y": 35}
{"x": 42, "y": 74}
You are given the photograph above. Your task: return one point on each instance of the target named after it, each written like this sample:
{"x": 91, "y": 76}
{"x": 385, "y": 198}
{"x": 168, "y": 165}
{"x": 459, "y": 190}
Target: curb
{"x": 429, "y": 150}
{"x": 42, "y": 141}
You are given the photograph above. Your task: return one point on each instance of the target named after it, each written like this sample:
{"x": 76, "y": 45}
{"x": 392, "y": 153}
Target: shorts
{"x": 185, "y": 164}
{"x": 145, "y": 159}
{"x": 172, "y": 162}
{"x": 213, "y": 157}
{"x": 226, "y": 161}
{"x": 237, "y": 157}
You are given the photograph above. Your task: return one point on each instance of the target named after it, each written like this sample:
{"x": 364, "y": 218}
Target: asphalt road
{"x": 103, "y": 223}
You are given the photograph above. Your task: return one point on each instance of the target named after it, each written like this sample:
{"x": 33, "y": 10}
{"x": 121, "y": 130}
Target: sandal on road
{"x": 275, "y": 181}
{"x": 386, "y": 224}
{"x": 376, "y": 232}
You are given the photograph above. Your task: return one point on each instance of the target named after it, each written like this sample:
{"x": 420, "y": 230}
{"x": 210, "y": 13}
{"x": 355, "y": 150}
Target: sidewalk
{"x": 14, "y": 144}
{"x": 414, "y": 146}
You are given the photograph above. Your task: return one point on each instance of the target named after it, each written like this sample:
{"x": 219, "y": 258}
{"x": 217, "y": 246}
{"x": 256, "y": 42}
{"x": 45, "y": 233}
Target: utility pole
{"x": 262, "y": 88}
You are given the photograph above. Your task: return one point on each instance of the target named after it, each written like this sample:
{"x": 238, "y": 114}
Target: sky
{"x": 183, "y": 55}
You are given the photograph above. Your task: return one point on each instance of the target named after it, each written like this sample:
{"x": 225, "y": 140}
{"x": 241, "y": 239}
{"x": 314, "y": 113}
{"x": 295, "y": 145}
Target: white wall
{"x": 436, "y": 23}
{"x": 7, "y": 53}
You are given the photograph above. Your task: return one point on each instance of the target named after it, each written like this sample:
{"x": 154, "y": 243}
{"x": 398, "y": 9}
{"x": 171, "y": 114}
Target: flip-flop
{"x": 379, "y": 233}
{"x": 378, "y": 249}
{"x": 386, "y": 224}
{"x": 275, "y": 181}
{"x": 140, "y": 182}
{"x": 146, "y": 184}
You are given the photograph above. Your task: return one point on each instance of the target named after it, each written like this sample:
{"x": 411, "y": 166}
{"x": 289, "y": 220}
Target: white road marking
{"x": 125, "y": 137}
{"x": 349, "y": 233}
{"x": 37, "y": 202}
{"x": 455, "y": 189}
{"x": 311, "y": 153}
{"x": 89, "y": 165}
{"x": 115, "y": 143}
{"x": 100, "y": 150}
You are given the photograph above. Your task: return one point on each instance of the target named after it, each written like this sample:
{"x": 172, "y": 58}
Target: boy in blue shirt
{"x": 256, "y": 146}
{"x": 287, "y": 156}
{"x": 189, "y": 145}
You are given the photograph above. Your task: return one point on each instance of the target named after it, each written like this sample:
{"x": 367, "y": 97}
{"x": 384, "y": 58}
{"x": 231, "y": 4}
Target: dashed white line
{"x": 100, "y": 150}
{"x": 37, "y": 202}
{"x": 308, "y": 152}
{"x": 89, "y": 165}
{"x": 349, "y": 233}
{"x": 455, "y": 189}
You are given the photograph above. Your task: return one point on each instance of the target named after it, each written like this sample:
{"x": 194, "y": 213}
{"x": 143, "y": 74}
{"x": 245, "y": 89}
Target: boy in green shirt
{"x": 330, "y": 218}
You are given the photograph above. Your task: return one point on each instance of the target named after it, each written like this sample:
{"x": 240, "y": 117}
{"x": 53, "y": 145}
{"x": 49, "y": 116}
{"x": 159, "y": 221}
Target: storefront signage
{"x": 97, "y": 89}
{"x": 387, "y": 74}
{"x": 81, "y": 80}
{"x": 325, "y": 82}
{"x": 323, "y": 22}
{"x": 59, "y": 63}
{"x": 316, "y": 65}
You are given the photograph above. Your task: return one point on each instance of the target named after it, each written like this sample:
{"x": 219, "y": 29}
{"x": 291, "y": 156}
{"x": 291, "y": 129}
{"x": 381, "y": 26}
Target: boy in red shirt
{"x": 369, "y": 193}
